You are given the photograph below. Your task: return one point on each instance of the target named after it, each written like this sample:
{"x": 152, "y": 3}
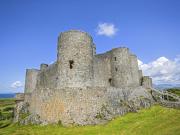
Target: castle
{"x": 82, "y": 87}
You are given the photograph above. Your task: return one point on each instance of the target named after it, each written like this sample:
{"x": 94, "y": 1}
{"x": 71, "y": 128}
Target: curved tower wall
{"x": 134, "y": 70}
{"x": 75, "y": 59}
{"x": 31, "y": 80}
{"x": 121, "y": 67}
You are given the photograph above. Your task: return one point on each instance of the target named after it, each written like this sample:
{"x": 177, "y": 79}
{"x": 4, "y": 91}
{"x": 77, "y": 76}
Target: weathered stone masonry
{"x": 83, "y": 87}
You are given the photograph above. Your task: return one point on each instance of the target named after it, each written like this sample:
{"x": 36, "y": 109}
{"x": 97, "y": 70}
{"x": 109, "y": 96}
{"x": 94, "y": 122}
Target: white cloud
{"x": 52, "y": 62}
{"x": 16, "y": 84}
{"x": 140, "y": 63}
{"x": 106, "y": 29}
{"x": 162, "y": 70}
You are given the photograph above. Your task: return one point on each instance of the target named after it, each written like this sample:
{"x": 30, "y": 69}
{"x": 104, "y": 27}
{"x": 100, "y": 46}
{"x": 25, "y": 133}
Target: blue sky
{"x": 29, "y": 31}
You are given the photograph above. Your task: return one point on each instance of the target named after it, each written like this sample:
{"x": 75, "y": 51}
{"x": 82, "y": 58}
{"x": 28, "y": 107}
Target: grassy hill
{"x": 6, "y": 111}
{"x": 174, "y": 90}
{"x": 156, "y": 120}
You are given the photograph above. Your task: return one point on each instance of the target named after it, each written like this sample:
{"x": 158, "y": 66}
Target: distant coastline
{"x": 7, "y": 95}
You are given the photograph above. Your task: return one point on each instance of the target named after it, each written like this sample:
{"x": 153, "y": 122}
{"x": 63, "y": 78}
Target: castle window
{"x": 115, "y": 58}
{"x": 71, "y": 62}
{"x": 110, "y": 80}
{"x": 116, "y": 69}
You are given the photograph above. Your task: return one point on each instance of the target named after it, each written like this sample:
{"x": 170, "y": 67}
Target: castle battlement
{"x": 77, "y": 66}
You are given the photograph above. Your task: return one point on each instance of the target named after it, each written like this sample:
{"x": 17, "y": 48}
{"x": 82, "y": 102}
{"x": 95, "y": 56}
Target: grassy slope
{"x": 6, "y": 111}
{"x": 174, "y": 90}
{"x": 154, "y": 121}
{"x": 6, "y": 102}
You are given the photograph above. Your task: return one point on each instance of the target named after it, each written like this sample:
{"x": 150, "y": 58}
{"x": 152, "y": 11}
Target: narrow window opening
{"x": 115, "y": 58}
{"x": 116, "y": 69}
{"x": 110, "y": 80}
{"x": 71, "y": 62}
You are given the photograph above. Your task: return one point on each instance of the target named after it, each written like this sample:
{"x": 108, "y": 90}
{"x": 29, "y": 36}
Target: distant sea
{"x": 8, "y": 95}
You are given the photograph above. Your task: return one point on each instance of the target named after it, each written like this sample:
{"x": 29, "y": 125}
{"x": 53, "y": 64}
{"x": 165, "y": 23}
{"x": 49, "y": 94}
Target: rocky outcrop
{"x": 165, "y": 98}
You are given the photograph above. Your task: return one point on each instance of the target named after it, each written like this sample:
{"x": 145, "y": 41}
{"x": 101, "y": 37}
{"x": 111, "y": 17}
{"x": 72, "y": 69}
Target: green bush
{"x": 8, "y": 108}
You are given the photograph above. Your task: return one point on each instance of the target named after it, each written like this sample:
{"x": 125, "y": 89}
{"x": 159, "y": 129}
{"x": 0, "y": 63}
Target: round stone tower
{"x": 75, "y": 59}
{"x": 31, "y": 80}
{"x": 120, "y": 67}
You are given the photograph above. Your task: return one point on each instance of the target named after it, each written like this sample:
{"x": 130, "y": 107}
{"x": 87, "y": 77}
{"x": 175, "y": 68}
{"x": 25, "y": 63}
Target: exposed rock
{"x": 31, "y": 119}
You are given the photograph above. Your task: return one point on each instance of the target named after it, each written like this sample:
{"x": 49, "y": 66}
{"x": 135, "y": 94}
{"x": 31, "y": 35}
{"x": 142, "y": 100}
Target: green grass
{"x": 6, "y": 111}
{"x": 6, "y": 102}
{"x": 174, "y": 90}
{"x": 156, "y": 120}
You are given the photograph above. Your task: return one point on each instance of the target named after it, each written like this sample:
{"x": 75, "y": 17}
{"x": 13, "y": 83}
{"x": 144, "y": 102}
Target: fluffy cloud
{"x": 106, "y": 29}
{"x": 162, "y": 70}
{"x": 16, "y": 84}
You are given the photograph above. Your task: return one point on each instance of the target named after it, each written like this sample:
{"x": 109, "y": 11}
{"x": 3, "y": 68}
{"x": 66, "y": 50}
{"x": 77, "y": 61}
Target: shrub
{"x": 8, "y": 109}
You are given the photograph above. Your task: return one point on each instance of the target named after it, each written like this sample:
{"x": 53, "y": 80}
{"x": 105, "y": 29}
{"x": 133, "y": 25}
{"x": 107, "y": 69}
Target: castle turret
{"x": 75, "y": 59}
{"x": 31, "y": 80}
{"x": 147, "y": 82}
{"x": 121, "y": 67}
{"x": 43, "y": 66}
{"x": 134, "y": 70}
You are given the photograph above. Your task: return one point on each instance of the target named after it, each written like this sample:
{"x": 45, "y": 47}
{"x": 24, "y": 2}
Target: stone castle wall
{"x": 68, "y": 105}
{"x": 84, "y": 106}
{"x": 102, "y": 73}
{"x": 134, "y": 71}
{"x": 47, "y": 77}
{"x": 147, "y": 81}
{"x": 140, "y": 77}
{"x": 121, "y": 67}
{"x": 78, "y": 66}
{"x": 81, "y": 84}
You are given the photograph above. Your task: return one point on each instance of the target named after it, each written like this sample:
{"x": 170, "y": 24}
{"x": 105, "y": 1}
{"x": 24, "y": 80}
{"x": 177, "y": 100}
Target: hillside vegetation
{"x": 174, "y": 91}
{"x": 6, "y": 111}
{"x": 156, "y": 120}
